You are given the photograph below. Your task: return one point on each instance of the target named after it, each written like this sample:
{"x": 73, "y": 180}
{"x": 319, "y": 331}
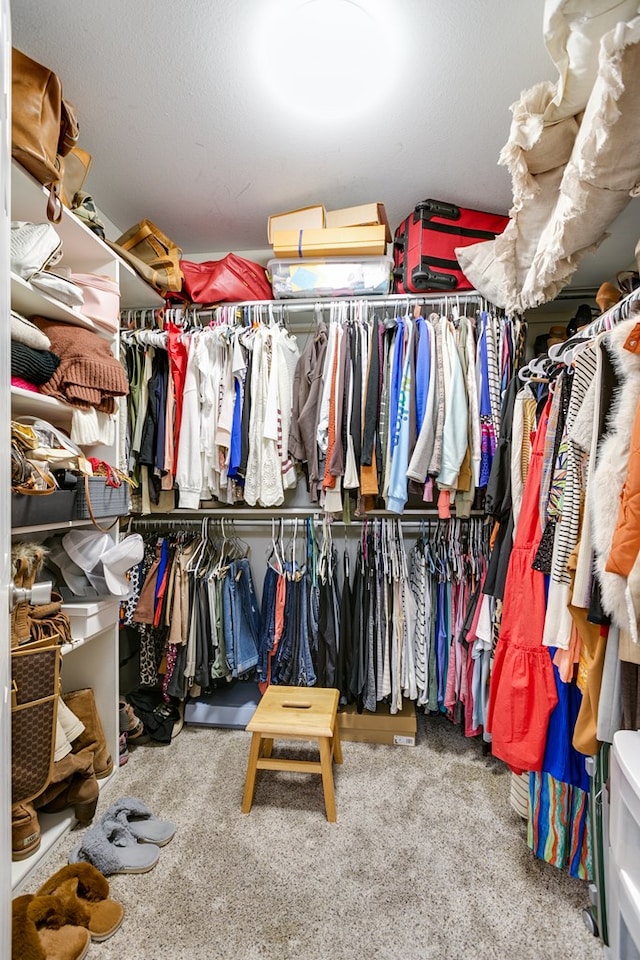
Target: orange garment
{"x": 566, "y": 660}
{"x": 626, "y": 537}
{"x": 369, "y": 477}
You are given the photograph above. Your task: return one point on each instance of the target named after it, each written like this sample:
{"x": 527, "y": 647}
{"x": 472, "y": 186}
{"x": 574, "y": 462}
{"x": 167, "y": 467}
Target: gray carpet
{"x": 427, "y": 860}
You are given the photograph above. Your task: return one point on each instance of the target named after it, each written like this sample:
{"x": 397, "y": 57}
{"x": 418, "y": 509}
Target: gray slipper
{"x": 136, "y": 816}
{"x": 112, "y": 848}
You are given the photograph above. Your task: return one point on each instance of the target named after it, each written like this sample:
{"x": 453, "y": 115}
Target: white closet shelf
{"x": 59, "y": 525}
{"x": 53, "y": 826}
{"x": 29, "y": 403}
{"x": 33, "y": 303}
{"x": 81, "y": 247}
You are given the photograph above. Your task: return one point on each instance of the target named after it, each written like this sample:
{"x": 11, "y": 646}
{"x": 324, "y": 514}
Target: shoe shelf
{"x": 53, "y": 826}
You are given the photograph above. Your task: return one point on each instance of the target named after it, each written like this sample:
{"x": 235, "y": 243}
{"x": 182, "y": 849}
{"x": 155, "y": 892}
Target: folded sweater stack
{"x": 32, "y": 360}
{"x": 88, "y": 375}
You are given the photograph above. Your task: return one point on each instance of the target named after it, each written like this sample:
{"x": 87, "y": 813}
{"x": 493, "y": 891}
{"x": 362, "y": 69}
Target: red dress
{"x": 523, "y": 694}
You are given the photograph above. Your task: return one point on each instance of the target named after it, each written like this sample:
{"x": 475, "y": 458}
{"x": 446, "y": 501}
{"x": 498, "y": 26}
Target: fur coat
{"x": 610, "y": 473}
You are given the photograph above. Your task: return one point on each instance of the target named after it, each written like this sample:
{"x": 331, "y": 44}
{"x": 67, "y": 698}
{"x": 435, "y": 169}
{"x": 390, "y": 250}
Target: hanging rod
{"x": 299, "y": 304}
{"x": 304, "y": 305}
{"x": 622, "y": 310}
{"x": 250, "y": 513}
{"x": 191, "y": 523}
{"x": 194, "y": 520}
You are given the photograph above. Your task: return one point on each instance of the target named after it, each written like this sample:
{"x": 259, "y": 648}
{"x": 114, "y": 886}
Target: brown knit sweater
{"x": 89, "y": 375}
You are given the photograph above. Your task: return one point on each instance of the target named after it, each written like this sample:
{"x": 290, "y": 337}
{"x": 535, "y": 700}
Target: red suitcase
{"x": 424, "y": 244}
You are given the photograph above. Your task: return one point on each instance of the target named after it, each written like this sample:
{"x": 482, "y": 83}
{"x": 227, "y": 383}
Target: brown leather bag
{"x": 77, "y": 164}
{"x": 44, "y": 127}
{"x": 153, "y": 255}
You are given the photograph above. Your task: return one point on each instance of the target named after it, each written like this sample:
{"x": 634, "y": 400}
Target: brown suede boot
{"x": 25, "y": 831}
{"x": 73, "y": 784}
{"x": 82, "y": 703}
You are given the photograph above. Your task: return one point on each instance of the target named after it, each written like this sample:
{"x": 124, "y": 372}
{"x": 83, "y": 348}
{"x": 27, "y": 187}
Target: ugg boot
{"x": 82, "y": 703}
{"x": 44, "y": 928}
{"x": 25, "y": 831}
{"x": 70, "y": 723}
{"x": 26, "y": 561}
{"x": 73, "y": 784}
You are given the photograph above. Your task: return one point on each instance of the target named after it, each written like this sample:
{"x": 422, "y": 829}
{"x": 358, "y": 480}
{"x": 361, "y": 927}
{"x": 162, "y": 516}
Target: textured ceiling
{"x": 184, "y": 128}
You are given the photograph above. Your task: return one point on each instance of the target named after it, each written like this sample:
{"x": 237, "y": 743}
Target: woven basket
{"x": 96, "y": 499}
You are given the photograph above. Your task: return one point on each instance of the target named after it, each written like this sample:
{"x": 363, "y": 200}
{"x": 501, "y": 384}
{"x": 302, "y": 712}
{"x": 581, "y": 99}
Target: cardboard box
{"x": 397, "y": 729}
{"x": 364, "y": 215}
{"x": 337, "y": 242}
{"x": 304, "y": 218}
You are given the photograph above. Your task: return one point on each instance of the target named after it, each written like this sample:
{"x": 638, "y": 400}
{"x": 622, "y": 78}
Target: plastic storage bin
{"x": 330, "y": 277}
{"x": 56, "y": 507}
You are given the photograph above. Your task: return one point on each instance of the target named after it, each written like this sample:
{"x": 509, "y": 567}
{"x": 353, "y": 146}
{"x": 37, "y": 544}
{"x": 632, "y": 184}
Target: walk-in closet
{"x": 319, "y": 546}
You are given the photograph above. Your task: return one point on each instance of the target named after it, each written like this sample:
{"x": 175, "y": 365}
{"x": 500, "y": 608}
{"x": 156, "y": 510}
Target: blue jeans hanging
{"x": 241, "y": 618}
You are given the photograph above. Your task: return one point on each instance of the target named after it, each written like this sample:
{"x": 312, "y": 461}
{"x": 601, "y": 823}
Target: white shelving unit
{"x": 91, "y": 660}
{"x": 623, "y": 867}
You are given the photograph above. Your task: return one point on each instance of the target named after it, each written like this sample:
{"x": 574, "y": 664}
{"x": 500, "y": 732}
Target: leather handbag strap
{"x": 90, "y": 509}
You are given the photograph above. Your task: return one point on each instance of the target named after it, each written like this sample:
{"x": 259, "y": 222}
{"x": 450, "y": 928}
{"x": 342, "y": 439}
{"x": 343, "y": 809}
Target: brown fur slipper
{"x": 85, "y": 891}
{"x": 41, "y": 929}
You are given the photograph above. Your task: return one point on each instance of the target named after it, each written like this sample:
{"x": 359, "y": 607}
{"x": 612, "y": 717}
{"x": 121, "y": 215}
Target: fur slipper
{"x": 83, "y": 888}
{"x": 112, "y": 848}
{"x": 42, "y": 928}
{"x": 141, "y": 822}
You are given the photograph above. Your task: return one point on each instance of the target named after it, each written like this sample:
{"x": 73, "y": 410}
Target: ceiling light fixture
{"x": 320, "y": 59}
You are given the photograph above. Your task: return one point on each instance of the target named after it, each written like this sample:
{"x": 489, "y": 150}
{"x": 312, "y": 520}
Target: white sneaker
{"x": 33, "y": 247}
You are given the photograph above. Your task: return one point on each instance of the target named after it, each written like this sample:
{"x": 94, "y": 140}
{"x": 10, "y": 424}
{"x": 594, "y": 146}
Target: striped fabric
{"x": 559, "y": 830}
{"x": 519, "y": 794}
{"x": 568, "y": 527}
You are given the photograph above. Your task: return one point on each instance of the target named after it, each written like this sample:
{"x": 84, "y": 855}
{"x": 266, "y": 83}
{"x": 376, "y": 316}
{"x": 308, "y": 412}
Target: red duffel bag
{"x": 229, "y": 280}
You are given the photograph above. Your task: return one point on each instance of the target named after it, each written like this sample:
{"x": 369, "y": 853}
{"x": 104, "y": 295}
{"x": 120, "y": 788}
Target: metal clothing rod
{"x": 195, "y": 521}
{"x": 280, "y": 308}
{"x": 619, "y": 311}
{"x": 393, "y": 299}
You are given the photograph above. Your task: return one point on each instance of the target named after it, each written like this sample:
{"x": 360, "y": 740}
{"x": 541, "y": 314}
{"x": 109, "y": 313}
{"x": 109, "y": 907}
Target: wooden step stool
{"x": 295, "y": 713}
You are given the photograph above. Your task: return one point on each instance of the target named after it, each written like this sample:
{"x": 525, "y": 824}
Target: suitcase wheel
{"x": 423, "y": 279}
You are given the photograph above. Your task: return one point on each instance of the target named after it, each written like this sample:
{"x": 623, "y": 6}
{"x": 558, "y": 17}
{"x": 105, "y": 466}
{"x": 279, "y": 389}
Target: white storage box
{"x": 624, "y": 825}
{"x": 330, "y": 277}
{"x": 623, "y": 868}
{"x": 89, "y": 619}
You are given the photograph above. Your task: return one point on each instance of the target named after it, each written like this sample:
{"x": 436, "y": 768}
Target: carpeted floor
{"x": 427, "y": 860}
